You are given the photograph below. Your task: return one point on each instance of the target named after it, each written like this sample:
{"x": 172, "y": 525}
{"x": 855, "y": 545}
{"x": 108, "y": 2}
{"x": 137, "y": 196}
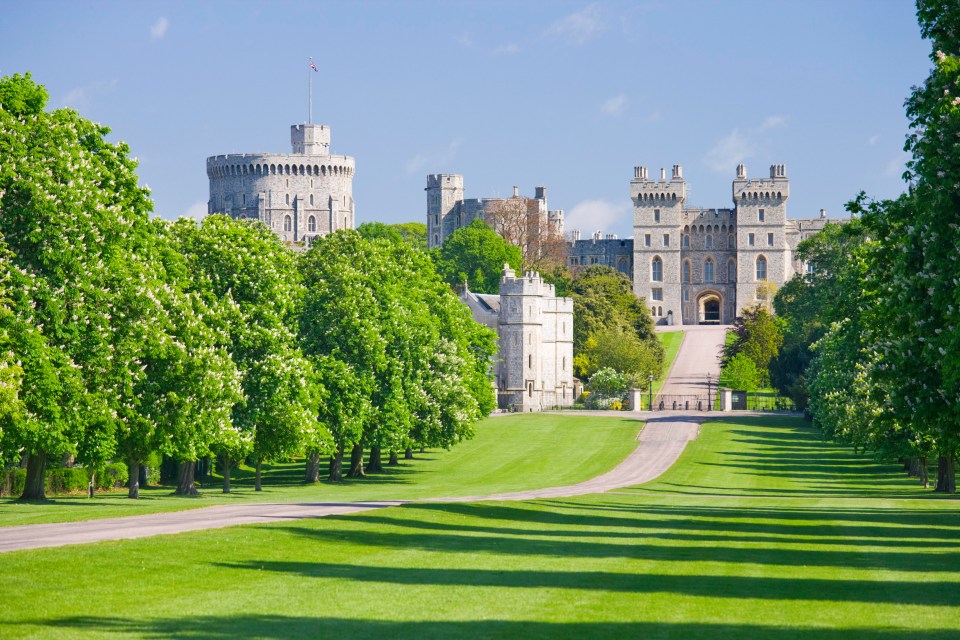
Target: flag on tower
{"x": 313, "y": 66}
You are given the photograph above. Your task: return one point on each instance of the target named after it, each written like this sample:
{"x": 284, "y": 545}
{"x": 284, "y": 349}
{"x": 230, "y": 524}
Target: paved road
{"x": 698, "y": 357}
{"x": 661, "y": 442}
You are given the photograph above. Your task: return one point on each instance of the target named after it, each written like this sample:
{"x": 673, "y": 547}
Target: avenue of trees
{"x": 872, "y": 336}
{"x": 123, "y": 336}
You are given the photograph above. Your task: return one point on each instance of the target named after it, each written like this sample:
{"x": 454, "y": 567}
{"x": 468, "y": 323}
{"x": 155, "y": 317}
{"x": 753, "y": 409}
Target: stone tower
{"x": 657, "y": 211}
{"x": 535, "y": 327}
{"x": 763, "y": 252}
{"x": 444, "y": 194}
{"x": 300, "y": 195}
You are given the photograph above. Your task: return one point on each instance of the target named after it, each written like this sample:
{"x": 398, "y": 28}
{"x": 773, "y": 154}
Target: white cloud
{"x": 730, "y": 151}
{"x": 579, "y": 27}
{"x": 507, "y": 49}
{"x": 872, "y": 140}
{"x": 197, "y": 211}
{"x": 614, "y": 106}
{"x": 81, "y": 98}
{"x": 771, "y": 122}
{"x": 593, "y": 215}
{"x": 464, "y": 40}
{"x": 433, "y": 161}
{"x": 159, "y": 28}
{"x": 897, "y": 166}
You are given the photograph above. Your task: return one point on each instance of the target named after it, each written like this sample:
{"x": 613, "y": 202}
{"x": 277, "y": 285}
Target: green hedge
{"x": 67, "y": 479}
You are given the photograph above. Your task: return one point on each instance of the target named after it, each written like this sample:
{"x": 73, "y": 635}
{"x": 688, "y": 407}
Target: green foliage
{"x": 606, "y": 387}
{"x": 475, "y": 254}
{"x": 758, "y": 336}
{"x": 611, "y": 326}
{"x": 371, "y": 230}
{"x": 414, "y": 233}
{"x": 67, "y": 479}
{"x": 20, "y": 96}
{"x": 621, "y": 350}
{"x": 740, "y": 373}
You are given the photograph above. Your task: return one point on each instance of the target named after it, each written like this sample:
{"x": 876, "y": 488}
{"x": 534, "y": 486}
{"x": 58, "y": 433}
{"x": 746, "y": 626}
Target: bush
{"x": 67, "y": 479}
{"x": 740, "y": 373}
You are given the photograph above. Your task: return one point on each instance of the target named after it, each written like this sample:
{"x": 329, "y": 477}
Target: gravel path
{"x": 662, "y": 441}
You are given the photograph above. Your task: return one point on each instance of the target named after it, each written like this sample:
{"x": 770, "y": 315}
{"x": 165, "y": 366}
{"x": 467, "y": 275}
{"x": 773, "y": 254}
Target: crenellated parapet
{"x": 652, "y": 193}
{"x": 772, "y": 190}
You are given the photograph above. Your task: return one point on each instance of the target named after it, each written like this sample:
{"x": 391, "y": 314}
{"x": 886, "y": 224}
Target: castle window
{"x": 769, "y": 239}
{"x": 311, "y": 198}
{"x": 708, "y": 270}
{"x": 436, "y": 240}
{"x": 732, "y": 271}
{"x": 750, "y": 239}
{"x": 660, "y": 311}
{"x": 730, "y": 241}
{"x": 244, "y": 198}
{"x": 656, "y": 294}
{"x": 656, "y": 269}
{"x": 686, "y": 241}
{"x": 311, "y": 223}
{"x": 709, "y": 242}
{"x": 686, "y": 295}
{"x": 810, "y": 269}
{"x": 287, "y": 223}
{"x": 761, "y": 268}
{"x": 530, "y": 361}
{"x": 288, "y": 198}
{"x": 666, "y": 239}
{"x": 760, "y": 215}
{"x": 656, "y": 215}
{"x": 653, "y": 311}
{"x": 646, "y": 240}
{"x": 686, "y": 271}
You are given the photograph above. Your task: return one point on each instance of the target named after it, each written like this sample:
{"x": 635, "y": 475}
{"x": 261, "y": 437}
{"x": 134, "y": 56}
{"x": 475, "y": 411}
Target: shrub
{"x": 740, "y": 373}
{"x": 67, "y": 479}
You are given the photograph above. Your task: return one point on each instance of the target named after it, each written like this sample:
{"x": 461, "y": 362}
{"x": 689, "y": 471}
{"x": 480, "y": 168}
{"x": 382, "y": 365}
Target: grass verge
{"x": 508, "y": 453}
{"x": 760, "y": 531}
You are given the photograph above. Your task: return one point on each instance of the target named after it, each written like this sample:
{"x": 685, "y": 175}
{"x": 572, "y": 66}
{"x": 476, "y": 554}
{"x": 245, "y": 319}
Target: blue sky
{"x": 570, "y": 95}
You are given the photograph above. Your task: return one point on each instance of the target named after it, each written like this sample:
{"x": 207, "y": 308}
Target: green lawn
{"x": 671, "y": 342}
{"x": 509, "y": 453}
{"x": 760, "y": 531}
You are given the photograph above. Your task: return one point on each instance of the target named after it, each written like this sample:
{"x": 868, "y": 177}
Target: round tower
{"x": 300, "y": 196}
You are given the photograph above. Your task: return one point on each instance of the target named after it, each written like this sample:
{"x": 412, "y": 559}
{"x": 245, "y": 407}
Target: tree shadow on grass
{"x": 278, "y": 627}
{"x": 899, "y": 592}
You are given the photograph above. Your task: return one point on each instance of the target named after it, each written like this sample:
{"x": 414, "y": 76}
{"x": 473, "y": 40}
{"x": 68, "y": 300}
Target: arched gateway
{"x": 708, "y": 308}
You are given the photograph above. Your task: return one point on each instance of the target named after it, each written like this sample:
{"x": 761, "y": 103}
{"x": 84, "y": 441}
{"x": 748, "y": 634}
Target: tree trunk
{"x": 913, "y": 468}
{"x": 256, "y": 484}
{"x": 312, "y": 474}
{"x": 375, "y": 464}
{"x": 34, "y": 488}
{"x": 336, "y": 465}
{"x": 946, "y": 475}
{"x": 133, "y": 483}
{"x": 408, "y": 454}
{"x": 423, "y": 449}
{"x": 356, "y": 462}
{"x": 144, "y": 475}
{"x": 393, "y": 459}
{"x": 924, "y": 477}
{"x": 225, "y": 465}
{"x": 185, "y": 481}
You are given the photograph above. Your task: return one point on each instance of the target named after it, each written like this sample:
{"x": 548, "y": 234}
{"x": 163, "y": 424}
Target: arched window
{"x": 656, "y": 269}
{"x": 288, "y": 198}
{"x": 311, "y": 224}
{"x": 732, "y": 271}
{"x": 311, "y": 198}
{"x": 686, "y": 271}
{"x": 730, "y": 241}
{"x": 708, "y": 270}
{"x": 709, "y": 242}
{"x": 761, "y": 268}
{"x": 686, "y": 241}
{"x": 287, "y": 223}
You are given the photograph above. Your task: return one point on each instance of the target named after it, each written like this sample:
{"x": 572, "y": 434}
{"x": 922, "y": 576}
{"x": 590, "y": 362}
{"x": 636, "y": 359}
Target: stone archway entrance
{"x": 708, "y": 309}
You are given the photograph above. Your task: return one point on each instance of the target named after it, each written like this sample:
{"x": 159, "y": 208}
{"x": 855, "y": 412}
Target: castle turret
{"x": 764, "y": 254}
{"x": 444, "y": 195}
{"x": 310, "y": 139}
{"x": 657, "y": 209}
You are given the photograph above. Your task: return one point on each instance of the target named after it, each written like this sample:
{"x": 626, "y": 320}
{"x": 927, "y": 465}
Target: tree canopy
{"x": 475, "y": 254}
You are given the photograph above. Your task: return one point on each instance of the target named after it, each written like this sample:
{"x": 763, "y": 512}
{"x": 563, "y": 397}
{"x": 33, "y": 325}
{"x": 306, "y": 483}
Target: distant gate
{"x": 695, "y": 402}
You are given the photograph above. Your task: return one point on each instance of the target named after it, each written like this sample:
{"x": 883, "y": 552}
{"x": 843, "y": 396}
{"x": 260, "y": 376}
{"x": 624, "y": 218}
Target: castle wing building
{"x": 300, "y": 195}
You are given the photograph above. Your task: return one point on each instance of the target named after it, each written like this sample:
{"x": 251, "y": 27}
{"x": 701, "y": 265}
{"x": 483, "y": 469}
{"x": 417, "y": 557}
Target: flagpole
{"x": 310, "y": 93}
